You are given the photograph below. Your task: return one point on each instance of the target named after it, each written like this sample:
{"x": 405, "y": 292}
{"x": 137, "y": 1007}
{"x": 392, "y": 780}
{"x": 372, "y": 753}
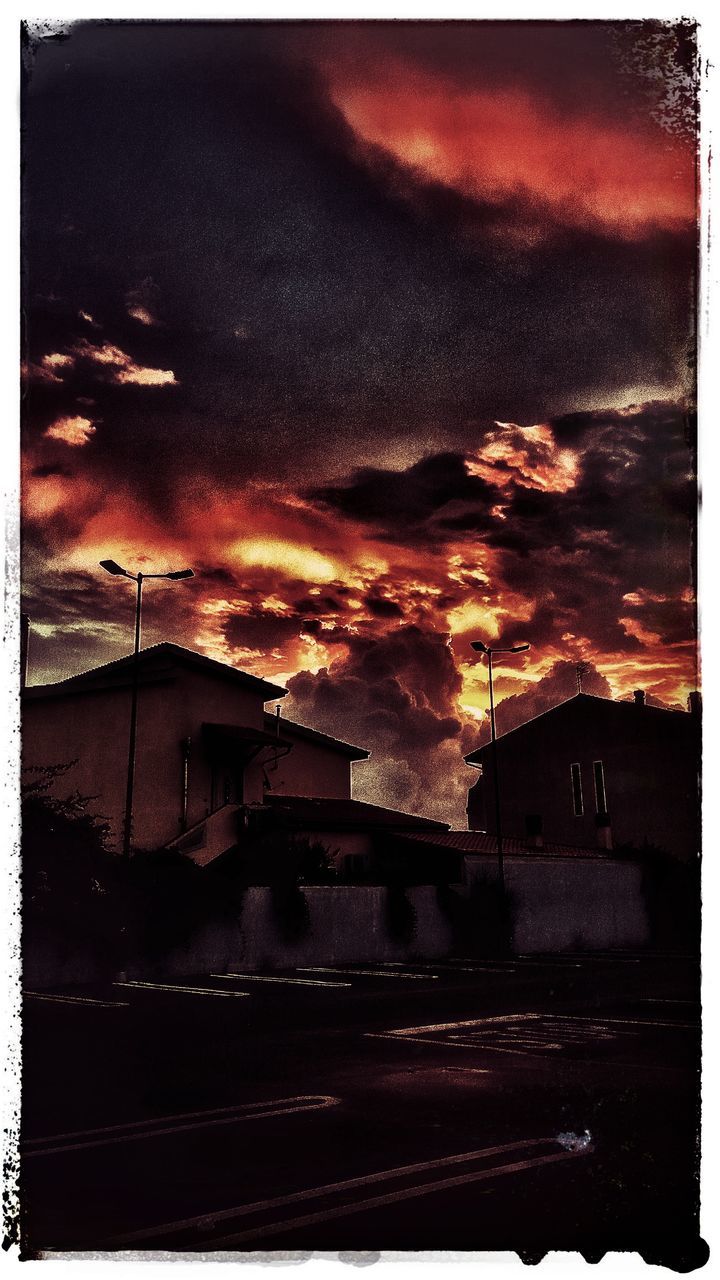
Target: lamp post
{"x": 479, "y": 647}
{"x": 111, "y": 566}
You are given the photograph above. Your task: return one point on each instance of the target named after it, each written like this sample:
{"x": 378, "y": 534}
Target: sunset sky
{"x": 387, "y": 330}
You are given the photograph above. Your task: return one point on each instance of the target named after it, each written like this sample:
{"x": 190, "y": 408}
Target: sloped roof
{"x": 328, "y": 814}
{"x": 289, "y": 728}
{"x": 590, "y": 703}
{"x": 480, "y": 842}
{"x": 151, "y": 662}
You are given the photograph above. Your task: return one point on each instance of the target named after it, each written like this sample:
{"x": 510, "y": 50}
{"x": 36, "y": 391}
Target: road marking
{"x": 521, "y": 1033}
{"x": 448, "y": 1044}
{"x": 189, "y": 991}
{"x": 470, "y": 1022}
{"x": 105, "y": 1004}
{"x": 527, "y": 961}
{"x": 669, "y": 1000}
{"x": 137, "y": 1130}
{"x": 638, "y": 1022}
{"x": 209, "y": 1220}
{"x": 258, "y": 977}
{"x": 367, "y": 973}
{"x": 392, "y": 1197}
{"x": 454, "y": 968}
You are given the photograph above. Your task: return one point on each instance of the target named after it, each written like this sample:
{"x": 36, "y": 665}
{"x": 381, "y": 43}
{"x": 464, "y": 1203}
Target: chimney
{"x": 695, "y": 703}
{"x": 639, "y": 696}
{"x": 24, "y": 648}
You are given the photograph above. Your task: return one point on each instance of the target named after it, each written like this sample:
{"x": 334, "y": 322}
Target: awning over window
{"x": 239, "y": 739}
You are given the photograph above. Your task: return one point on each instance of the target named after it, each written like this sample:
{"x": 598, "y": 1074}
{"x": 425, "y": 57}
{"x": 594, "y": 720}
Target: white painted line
{"x": 449, "y": 1044}
{"x": 183, "y": 991}
{"x": 580, "y": 957}
{"x": 455, "y": 968}
{"x": 207, "y": 1220}
{"x": 258, "y": 977}
{"x": 104, "y": 1004}
{"x": 367, "y": 973}
{"x": 669, "y": 1000}
{"x": 646, "y": 1022}
{"x": 470, "y": 1022}
{"x": 138, "y": 1130}
{"x": 518, "y": 1053}
{"x": 392, "y": 1197}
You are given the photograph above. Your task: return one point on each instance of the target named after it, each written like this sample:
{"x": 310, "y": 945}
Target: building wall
{"x": 649, "y": 766}
{"x": 94, "y": 728}
{"x": 310, "y": 769}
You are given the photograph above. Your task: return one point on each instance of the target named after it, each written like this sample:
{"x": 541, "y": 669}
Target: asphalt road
{"x": 527, "y": 1105}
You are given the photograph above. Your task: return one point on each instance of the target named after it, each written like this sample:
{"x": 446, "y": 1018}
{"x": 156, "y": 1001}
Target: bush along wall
{"x": 400, "y": 914}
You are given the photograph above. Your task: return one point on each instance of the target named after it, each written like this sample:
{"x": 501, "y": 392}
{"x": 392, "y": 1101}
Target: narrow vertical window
{"x": 576, "y": 790}
{"x": 599, "y": 775}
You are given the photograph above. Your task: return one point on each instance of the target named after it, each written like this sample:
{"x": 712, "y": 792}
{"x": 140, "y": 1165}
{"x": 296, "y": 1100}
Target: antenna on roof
{"x": 581, "y": 669}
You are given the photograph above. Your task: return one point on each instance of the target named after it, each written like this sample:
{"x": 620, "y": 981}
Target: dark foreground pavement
{"x": 526, "y": 1105}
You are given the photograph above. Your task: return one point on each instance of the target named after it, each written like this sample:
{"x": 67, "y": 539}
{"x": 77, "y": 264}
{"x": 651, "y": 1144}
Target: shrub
{"x": 400, "y": 914}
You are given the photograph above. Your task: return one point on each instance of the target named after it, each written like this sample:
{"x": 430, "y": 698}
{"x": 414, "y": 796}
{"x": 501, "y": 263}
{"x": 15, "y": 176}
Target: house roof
{"x": 332, "y": 814}
{"x": 156, "y": 662}
{"x": 591, "y": 703}
{"x": 480, "y": 842}
{"x": 288, "y": 728}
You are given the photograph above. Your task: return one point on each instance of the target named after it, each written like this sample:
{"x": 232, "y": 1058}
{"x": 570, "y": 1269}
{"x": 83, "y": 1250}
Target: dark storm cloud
{"x": 301, "y": 291}
{"x": 381, "y": 607}
{"x": 395, "y": 695}
{"x": 625, "y": 523}
{"x": 410, "y": 500}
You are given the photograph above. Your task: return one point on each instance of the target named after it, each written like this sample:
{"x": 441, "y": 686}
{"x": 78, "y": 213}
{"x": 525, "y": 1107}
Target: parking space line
{"x": 453, "y": 968}
{"x": 642, "y": 1022}
{"x": 104, "y": 1004}
{"x": 367, "y": 973}
{"x": 139, "y": 1130}
{"x": 209, "y": 1220}
{"x": 262, "y": 977}
{"x": 184, "y": 991}
{"x": 450, "y": 1044}
{"x": 468, "y": 1022}
{"x": 392, "y": 1197}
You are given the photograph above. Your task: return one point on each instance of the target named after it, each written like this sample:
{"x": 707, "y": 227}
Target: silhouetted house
{"x": 594, "y": 772}
{"x": 210, "y": 761}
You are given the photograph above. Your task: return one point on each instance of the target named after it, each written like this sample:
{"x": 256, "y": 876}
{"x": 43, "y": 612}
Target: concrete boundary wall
{"x": 565, "y": 904}
{"x": 557, "y": 905}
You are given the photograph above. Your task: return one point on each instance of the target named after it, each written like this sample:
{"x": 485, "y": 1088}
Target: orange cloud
{"x": 73, "y": 431}
{"x": 527, "y": 456}
{"x": 126, "y": 370}
{"x": 142, "y": 315}
{"x": 498, "y": 146}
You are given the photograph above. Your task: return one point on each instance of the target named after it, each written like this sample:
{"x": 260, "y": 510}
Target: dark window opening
{"x": 576, "y": 790}
{"x": 599, "y": 776}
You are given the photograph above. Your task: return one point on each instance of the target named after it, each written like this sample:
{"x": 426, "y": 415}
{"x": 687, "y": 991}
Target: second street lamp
{"x": 479, "y": 647}
{"x": 111, "y": 566}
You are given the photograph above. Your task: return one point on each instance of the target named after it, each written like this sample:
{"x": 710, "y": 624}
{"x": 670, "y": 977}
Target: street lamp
{"x": 111, "y": 566}
{"x": 479, "y": 647}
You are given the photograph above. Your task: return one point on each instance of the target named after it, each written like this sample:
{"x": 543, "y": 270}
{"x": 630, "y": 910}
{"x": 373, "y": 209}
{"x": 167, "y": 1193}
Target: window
{"x": 576, "y": 790}
{"x": 599, "y": 776}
